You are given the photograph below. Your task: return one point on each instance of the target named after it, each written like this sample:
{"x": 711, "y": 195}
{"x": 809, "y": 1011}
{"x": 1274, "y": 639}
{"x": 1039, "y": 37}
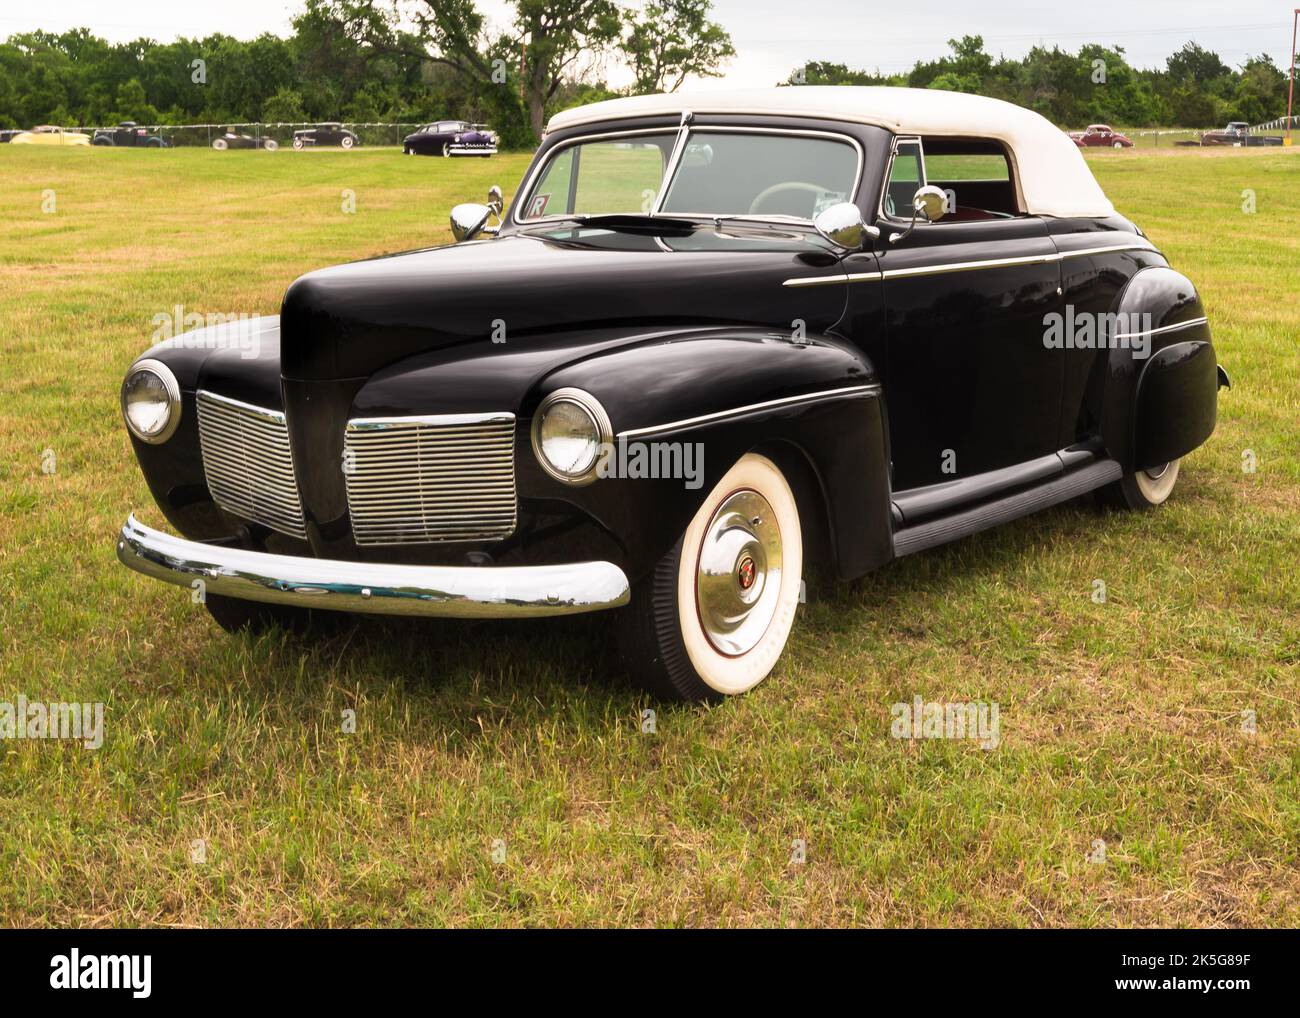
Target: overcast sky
{"x": 774, "y": 36}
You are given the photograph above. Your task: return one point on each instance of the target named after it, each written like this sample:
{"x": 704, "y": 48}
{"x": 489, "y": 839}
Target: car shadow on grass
{"x": 456, "y": 668}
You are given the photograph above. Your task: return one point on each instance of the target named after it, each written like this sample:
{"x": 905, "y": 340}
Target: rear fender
{"x": 1162, "y": 379}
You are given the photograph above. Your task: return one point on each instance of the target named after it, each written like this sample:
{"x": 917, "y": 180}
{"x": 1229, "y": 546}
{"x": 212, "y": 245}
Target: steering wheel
{"x": 789, "y": 185}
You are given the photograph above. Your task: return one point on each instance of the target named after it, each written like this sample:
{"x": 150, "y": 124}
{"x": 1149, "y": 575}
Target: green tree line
{"x": 418, "y": 60}
{"x": 1097, "y": 84}
{"x": 366, "y": 60}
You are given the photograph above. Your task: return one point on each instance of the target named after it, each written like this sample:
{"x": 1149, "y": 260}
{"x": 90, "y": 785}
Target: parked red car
{"x": 1100, "y": 135}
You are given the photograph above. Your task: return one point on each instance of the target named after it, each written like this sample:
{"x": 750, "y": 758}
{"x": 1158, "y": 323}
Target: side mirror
{"x": 929, "y": 201}
{"x": 842, "y": 224}
{"x": 469, "y": 219}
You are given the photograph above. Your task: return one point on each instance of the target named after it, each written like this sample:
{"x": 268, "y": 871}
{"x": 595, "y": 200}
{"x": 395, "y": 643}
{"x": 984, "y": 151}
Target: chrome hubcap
{"x": 738, "y": 576}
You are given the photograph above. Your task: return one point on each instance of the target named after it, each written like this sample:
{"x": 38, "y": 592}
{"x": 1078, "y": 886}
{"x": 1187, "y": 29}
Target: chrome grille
{"x": 418, "y": 480}
{"x": 247, "y": 462}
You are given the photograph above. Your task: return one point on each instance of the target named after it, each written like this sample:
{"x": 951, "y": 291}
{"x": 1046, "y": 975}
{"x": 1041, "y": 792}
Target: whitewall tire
{"x": 1142, "y": 489}
{"x": 714, "y": 616}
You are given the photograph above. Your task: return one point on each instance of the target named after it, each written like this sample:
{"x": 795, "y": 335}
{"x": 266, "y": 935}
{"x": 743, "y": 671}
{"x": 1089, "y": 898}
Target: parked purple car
{"x": 450, "y": 138}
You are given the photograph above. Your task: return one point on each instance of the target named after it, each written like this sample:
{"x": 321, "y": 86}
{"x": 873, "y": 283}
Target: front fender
{"x": 698, "y": 402}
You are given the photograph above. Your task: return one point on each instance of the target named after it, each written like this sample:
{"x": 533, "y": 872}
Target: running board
{"x": 1011, "y": 507}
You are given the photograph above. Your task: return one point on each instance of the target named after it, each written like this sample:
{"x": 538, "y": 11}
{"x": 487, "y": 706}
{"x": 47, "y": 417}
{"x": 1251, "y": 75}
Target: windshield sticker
{"x": 537, "y": 207}
{"x": 826, "y": 199}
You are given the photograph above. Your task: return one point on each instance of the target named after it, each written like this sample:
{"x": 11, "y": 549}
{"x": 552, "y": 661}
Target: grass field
{"x": 1120, "y": 721}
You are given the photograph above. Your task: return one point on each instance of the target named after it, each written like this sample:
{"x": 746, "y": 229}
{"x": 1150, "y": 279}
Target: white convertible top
{"x": 1053, "y": 177}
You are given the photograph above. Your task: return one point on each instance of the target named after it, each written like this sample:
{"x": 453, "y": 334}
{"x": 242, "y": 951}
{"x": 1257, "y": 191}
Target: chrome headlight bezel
{"x": 170, "y": 385}
{"x": 602, "y": 433}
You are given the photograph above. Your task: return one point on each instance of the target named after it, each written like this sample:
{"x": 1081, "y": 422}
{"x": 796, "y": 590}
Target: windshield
{"x": 718, "y": 173}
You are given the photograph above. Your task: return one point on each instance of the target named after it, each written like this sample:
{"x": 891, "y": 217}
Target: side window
{"x": 906, "y": 174}
{"x": 977, "y": 175}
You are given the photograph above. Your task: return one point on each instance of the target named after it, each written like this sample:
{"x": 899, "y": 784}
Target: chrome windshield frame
{"x": 684, "y": 130}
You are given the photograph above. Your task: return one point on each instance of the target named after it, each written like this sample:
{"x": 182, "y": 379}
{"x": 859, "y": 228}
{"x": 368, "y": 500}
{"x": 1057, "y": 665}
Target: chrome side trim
{"x": 1177, "y": 326}
{"x": 771, "y": 404}
{"x": 466, "y": 592}
{"x": 944, "y": 267}
{"x": 1108, "y": 249}
{"x": 852, "y": 277}
{"x": 990, "y": 263}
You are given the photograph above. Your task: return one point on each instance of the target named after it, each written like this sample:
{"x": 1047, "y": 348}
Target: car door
{"x": 971, "y": 385}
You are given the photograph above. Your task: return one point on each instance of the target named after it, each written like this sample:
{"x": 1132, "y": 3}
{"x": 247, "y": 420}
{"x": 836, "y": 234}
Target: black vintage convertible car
{"x": 325, "y": 136}
{"x": 128, "y": 134}
{"x": 713, "y": 341}
{"x": 229, "y": 139}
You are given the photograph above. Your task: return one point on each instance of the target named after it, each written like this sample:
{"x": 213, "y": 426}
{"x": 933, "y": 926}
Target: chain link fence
{"x": 258, "y": 134}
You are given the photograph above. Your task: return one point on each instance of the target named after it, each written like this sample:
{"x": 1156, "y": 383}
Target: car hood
{"x": 350, "y": 321}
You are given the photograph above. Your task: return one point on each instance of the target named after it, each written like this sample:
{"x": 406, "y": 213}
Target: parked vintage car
{"x": 1238, "y": 134}
{"x": 450, "y": 138}
{"x": 8, "y": 134}
{"x": 325, "y": 136}
{"x": 128, "y": 134}
{"x": 1101, "y": 135}
{"x": 47, "y": 134}
{"x": 233, "y": 139}
{"x": 793, "y": 351}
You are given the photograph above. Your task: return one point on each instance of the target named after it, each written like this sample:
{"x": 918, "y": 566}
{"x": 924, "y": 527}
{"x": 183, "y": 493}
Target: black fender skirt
{"x": 1176, "y": 403}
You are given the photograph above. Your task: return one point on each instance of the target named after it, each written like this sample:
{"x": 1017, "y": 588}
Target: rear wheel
{"x": 298, "y": 143}
{"x": 1142, "y": 489}
{"x": 713, "y": 617}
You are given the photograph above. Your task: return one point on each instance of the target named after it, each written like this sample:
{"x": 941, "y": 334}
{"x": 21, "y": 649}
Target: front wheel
{"x": 347, "y": 142}
{"x": 446, "y": 150}
{"x": 1118, "y": 144}
{"x": 270, "y": 144}
{"x": 1142, "y": 489}
{"x": 713, "y": 617}
{"x": 220, "y": 144}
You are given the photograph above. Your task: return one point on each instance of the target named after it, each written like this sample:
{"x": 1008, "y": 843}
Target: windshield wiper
{"x": 625, "y": 222}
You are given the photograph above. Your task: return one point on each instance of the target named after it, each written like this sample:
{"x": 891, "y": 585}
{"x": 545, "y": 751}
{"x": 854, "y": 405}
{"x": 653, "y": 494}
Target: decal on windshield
{"x": 537, "y": 207}
{"x": 826, "y": 199}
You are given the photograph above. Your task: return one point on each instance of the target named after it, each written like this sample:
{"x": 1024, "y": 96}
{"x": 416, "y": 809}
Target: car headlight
{"x": 571, "y": 433}
{"x": 151, "y": 401}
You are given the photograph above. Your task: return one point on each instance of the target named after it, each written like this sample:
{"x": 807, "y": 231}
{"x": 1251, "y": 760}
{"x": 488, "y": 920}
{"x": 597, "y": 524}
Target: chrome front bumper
{"x": 472, "y": 150}
{"x": 465, "y": 592}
